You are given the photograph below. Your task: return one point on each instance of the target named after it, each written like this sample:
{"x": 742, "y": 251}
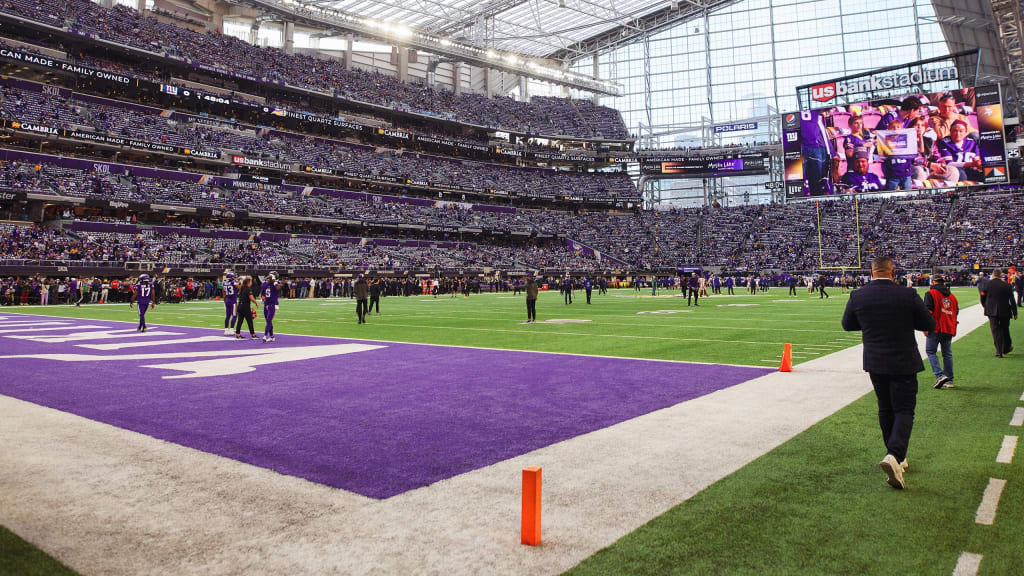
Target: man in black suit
{"x": 1018, "y": 285}
{"x": 887, "y": 315}
{"x": 997, "y": 298}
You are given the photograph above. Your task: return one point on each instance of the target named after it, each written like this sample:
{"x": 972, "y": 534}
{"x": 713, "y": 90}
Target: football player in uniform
{"x": 143, "y": 294}
{"x": 269, "y": 293}
{"x": 229, "y": 289}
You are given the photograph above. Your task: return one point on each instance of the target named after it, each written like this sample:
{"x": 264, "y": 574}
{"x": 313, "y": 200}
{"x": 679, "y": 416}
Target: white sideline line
{"x": 1022, "y": 397}
{"x": 968, "y": 564}
{"x": 990, "y": 502}
{"x": 1006, "y": 452}
{"x": 1018, "y": 417}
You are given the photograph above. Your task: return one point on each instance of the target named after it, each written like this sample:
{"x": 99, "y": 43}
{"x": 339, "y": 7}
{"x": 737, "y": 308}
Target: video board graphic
{"x": 917, "y": 141}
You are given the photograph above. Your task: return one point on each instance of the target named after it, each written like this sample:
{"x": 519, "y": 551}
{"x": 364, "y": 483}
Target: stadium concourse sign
{"x": 829, "y": 90}
{"x": 922, "y": 76}
{"x": 706, "y": 166}
{"x": 741, "y": 127}
{"x": 43, "y": 130}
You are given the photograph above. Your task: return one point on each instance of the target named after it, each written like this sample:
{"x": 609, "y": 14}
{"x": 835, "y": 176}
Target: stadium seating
{"x": 145, "y": 123}
{"x": 550, "y": 116}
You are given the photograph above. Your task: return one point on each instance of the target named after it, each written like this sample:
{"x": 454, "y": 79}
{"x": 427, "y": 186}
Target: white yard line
{"x": 967, "y": 565}
{"x": 990, "y": 502}
{"x": 1018, "y": 417}
{"x": 1007, "y": 450}
{"x": 98, "y": 497}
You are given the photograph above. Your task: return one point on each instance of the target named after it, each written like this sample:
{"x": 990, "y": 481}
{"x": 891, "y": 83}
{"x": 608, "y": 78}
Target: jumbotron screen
{"x": 707, "y": 166}
{"x": 918, "y": 141}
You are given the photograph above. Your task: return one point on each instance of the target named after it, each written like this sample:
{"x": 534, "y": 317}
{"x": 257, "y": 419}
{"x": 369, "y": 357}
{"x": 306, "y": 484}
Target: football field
{"x": 669, "y": 441}
{"x": 739, "y": 329}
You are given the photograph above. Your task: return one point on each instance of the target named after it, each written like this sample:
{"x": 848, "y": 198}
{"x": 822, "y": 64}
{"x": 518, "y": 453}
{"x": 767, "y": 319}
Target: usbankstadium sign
{"x": 831, "y": 90}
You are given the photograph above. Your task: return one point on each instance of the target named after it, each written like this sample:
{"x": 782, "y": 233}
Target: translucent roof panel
{"x": 529, "y": 27}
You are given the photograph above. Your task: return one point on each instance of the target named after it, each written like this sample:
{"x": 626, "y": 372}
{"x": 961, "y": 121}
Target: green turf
{"x": 740, "y": 329}
{"x": 19, "y": 558}
{"x": 819, "y": 504}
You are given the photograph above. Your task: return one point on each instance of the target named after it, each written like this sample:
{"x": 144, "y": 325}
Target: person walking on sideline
{"x": 944, "y": 308}
{"x": 887, "y": 315}
{"x": 997, "y": 298}
{"x": 531, "y": 299}
{"x": 362, "y": 293}
{"x": 821, "y": 288}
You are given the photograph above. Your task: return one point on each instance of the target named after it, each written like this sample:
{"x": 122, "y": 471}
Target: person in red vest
{"x": 945, "y": 309}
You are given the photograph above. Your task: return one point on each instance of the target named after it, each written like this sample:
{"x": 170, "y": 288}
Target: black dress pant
{"x": 374, "y": 304}
{"x": 1000, "y": 334}
{"x": 244, "y": 315}
{"x": 693, "y": 293}
{"x": 897, "y": 398}
{"x": 588, "y": 296}
{"x": 361, "y": 309}
{"x": 531, "y": 309}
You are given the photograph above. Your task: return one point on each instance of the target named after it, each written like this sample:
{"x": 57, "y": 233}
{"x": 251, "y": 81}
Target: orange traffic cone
{"x": 787, "y": 359}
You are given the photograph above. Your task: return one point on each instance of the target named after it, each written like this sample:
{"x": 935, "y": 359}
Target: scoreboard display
{"x": 707, "y": 166}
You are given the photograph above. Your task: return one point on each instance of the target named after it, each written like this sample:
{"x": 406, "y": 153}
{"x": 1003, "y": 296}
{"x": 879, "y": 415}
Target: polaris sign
{"x": 829, "y": 90}
{"x": 742, "y": 127}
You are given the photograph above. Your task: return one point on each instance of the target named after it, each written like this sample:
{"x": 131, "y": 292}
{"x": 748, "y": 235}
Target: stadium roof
{"x": 538, "y": 28}
{"x": 994, "y": 27}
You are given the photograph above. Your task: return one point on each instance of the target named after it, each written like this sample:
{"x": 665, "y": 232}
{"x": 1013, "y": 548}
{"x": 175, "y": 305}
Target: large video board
{"x": 918, "y": 141}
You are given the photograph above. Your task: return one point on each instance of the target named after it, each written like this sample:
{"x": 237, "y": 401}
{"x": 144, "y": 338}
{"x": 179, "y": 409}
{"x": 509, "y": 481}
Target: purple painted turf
{"x": 378, "y": 423}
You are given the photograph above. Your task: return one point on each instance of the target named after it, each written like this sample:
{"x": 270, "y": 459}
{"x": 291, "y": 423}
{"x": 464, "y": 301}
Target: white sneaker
{"x": 271, "y": 339}
{"x": 893, "y": 471}
{"x": 229, "y": 332}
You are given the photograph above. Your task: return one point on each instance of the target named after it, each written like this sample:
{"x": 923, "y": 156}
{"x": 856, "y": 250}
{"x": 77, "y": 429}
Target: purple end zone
{"x": 378, "y": 422}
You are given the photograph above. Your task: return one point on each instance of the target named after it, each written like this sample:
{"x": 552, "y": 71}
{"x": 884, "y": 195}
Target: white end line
{"x": 967, "y": 565}
{"x": 1006, "y": 452}
{"x": 990, "y": 502}
{"x": 1018, "y": 417}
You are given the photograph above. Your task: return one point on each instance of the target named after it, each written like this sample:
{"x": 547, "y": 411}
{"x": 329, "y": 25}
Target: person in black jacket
{"x": 887, "y": 315}
{"x": 997, "y": 298}
{"x": 375, "y": 290}
{"x": 1018, "y": 285}
{"x": 244, "y": 310}
{"x": 361, "y": 291}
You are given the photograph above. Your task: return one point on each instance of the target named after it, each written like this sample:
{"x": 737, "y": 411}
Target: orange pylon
{"x": 531, "y": 506}
{"x": 787, "y": 359}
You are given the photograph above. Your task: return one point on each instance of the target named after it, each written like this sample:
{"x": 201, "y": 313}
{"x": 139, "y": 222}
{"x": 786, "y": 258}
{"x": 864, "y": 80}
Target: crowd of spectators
{"x": 118, "y": 119}
{"x": 920, "y": 232}
{"x": 123, "y": 25}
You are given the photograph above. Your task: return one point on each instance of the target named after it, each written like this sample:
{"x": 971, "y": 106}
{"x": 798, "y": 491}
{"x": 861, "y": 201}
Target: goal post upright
{"x": 821, "y": 246}
{"x": 821, "y": 254}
